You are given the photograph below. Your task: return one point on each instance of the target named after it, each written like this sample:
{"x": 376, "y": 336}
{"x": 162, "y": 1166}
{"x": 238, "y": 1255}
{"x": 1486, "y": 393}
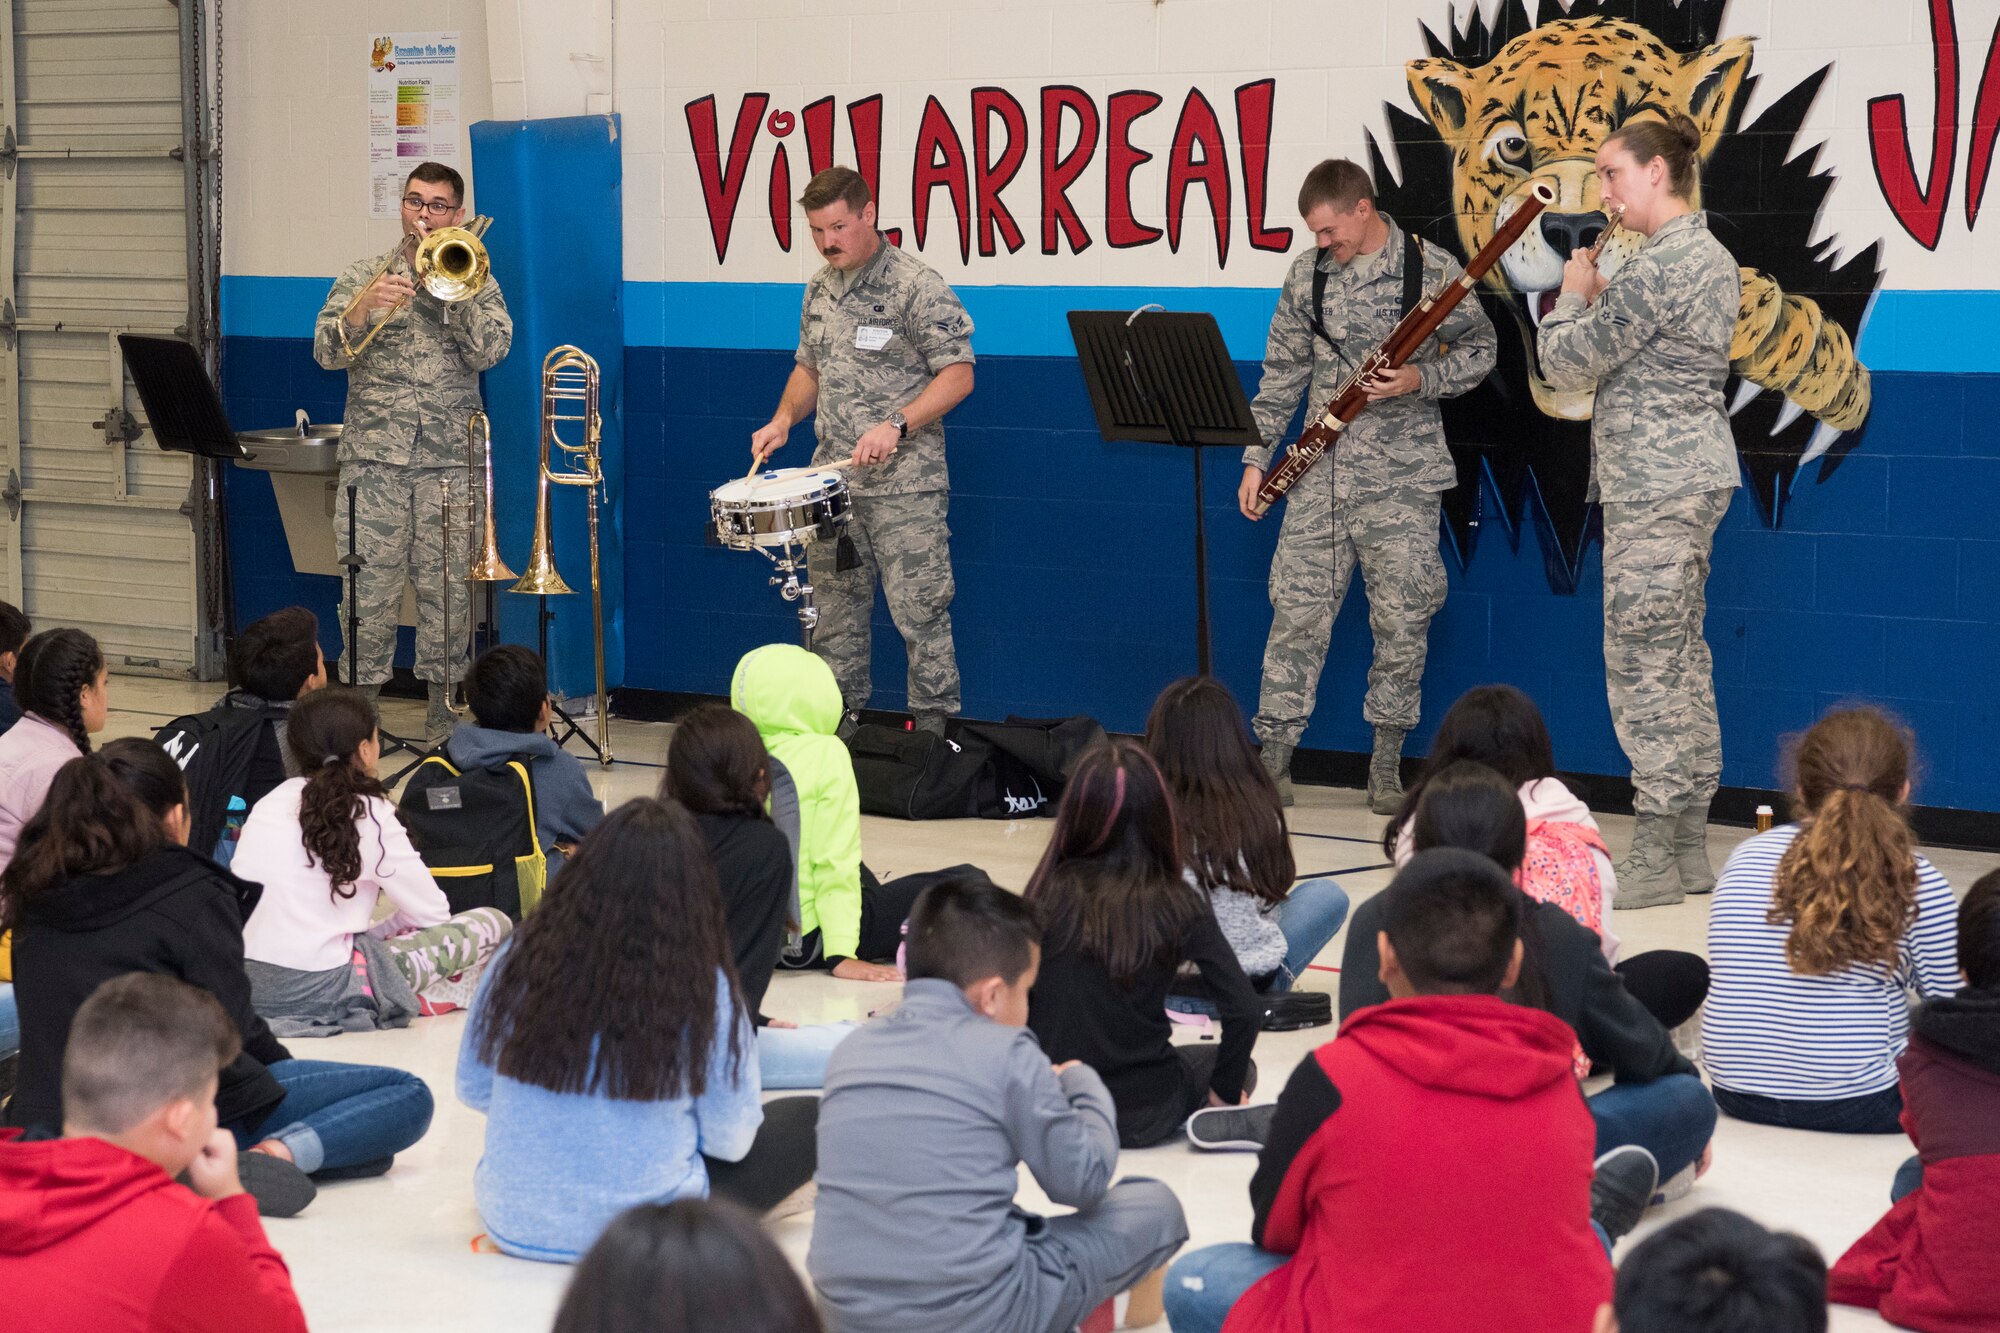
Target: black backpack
{"x": 476, "y": 831}
{"x": 215, "y": 750}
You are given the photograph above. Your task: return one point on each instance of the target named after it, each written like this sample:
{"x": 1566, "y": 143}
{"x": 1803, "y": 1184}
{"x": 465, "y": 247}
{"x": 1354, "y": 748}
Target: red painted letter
{"x": 1198, "y": 128}
{"x": 1920, "y": 210}
{"x": 1985, "y": 125}
{"x": 720, "y": 185}
{"x": 940, "y": 160}
{"x": 1121, "y": 159}
{"x": 990, "y": 177}
{"x": 781, "y": 199}
{"x": 819, "y": 135}
{"x": 1060, "y": 170}
{"x": 1253, "y": 131}
{"x": 864, "y": 122}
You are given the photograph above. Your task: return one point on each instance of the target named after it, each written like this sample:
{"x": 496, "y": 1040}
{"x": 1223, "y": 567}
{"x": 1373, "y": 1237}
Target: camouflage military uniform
{"x": 408, "y": 397}
{"x": 1374, "y": 500}
{"x": 1656, "y": 347}
{"x": 898, "y": 517}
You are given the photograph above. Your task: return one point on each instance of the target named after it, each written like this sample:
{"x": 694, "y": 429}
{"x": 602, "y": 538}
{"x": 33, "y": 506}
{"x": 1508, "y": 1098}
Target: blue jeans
{"x": 1909, "y": 1179}
{"x": 1204, "y": 1285}
{"x": 10, "y": 1021}
{"x": 1673, "y": 1118}
{"x": 796, "y": 1057}
{"x": 338, "y": 1116}
{"x": 1309, "y": 918}
{"x": 1875, "y": 1113}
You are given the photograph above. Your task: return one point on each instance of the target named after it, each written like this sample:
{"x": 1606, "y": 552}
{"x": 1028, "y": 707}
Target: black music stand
{"x": 182, "y": 407}
{"x": 1166, "y": 378}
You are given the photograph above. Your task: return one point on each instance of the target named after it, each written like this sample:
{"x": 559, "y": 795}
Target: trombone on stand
{"x": 570, "y": 381}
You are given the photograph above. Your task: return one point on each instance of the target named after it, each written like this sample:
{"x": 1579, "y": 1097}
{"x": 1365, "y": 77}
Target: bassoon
{"x": 1410, "y": 333}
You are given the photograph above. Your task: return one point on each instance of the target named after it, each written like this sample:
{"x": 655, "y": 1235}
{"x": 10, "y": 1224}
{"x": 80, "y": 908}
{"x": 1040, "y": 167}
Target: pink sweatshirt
{"x": 30, "y": 754}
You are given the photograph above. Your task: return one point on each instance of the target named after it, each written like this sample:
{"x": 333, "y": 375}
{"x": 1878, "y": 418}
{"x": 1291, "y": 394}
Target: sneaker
{"x": 450, "y": 995}
{"x": 1231, "y": 1128}
{"x": 1679, "y": 1185}
{"x": 280, "y": 1189}
{"x": 1621, "y": 1188}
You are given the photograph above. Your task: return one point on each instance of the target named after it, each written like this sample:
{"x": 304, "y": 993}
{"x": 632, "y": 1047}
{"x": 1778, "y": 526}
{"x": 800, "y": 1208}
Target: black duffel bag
{"x": 982, "y": 770}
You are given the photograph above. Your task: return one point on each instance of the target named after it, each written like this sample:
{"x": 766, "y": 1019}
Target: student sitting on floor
{"x": 1658, "y": 1101}
{"x": 95, "y": 1232}
{"x": 1821, "y": 932}
{"x": 690, "y": 1266}
{"x": 791, "y": 696}
{"x": 718, "y": 769}
{"x": 1718, "y": 1272}
{"x": 507, "y": 688}
{"x": 611, "y": 1053}
{"x": 326, "y": 847}
{"x": 103, "y": 885}
{"x": 1239, "y": 850}
{"x": 929, "y": 1113}
{"x": 1118, "y": 920}
{"x": 1566, "y": 862}
{"x": 1933, "y": 1263}
{"x": 64, "y": 693}
{"x": 1429, "y": 1168}
{"x": 233, "y": 755}
{"x": 14, "y": 631}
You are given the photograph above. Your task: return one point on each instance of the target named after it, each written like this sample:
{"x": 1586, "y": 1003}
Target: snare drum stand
{"x": 791, "y": 562}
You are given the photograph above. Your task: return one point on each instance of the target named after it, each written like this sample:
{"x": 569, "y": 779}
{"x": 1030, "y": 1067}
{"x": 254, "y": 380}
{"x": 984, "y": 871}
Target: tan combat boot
{"x": 1277, "y": 757}
{"x": 1649, "y": 876}
{"x": 1691, "y": 849}
{"x": 1385, "y": 771}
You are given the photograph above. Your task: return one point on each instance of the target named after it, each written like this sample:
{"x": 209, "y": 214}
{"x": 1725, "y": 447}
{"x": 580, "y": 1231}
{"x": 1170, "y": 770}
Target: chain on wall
{"x": 202, "y": 108}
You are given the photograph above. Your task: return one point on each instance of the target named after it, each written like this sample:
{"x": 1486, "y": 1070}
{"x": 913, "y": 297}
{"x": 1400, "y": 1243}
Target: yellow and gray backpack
{"x": 476, "y": 831}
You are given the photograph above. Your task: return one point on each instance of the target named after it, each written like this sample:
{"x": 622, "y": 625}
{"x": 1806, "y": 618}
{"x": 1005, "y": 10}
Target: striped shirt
{"x": 1772, "y": 1032}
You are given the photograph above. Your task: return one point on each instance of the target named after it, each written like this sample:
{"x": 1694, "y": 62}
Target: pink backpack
{"x": 1560, "y": 868}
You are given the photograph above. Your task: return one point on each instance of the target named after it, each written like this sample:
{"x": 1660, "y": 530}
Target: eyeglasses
{"x": 437, "y": 208}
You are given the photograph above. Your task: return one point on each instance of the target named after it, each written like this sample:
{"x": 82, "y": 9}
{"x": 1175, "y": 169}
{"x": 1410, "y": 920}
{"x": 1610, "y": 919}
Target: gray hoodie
{"x": 565, "y": 806}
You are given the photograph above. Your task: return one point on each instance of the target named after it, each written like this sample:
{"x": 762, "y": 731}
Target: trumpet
{"x": 461, "y": 519}
{"x": 570, "y": 377}
{"x": 450, "y": 263}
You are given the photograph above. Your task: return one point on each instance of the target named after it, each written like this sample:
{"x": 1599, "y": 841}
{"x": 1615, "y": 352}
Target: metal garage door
{"x": 101, "y": 525}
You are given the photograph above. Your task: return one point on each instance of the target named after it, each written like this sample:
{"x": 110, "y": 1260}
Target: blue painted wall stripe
{"x": 1901, "y": 332}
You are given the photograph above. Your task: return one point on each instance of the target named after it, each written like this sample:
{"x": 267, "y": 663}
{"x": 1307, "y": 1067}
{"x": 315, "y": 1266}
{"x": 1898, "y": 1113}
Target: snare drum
{"x": 788, "y": 507}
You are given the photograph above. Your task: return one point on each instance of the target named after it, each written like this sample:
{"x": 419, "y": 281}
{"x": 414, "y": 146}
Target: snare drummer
{"x": 885, "y": 350}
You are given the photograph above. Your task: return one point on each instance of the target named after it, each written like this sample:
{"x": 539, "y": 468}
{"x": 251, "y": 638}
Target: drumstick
{"x": 841, "y": 466}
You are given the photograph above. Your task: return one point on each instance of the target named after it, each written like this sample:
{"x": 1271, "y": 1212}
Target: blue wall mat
{"x": 554, "y": 190}
{"x": 1074, "y": 588}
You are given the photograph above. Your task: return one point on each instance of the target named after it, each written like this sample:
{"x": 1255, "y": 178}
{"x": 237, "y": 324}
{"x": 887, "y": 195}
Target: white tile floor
{"x": 395, "y": 1254}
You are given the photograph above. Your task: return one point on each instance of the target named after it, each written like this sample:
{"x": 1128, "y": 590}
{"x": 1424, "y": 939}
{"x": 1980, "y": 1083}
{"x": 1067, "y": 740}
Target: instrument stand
{"x": 795, "y": 586}
{"x": 562, "y": 726}
{"x": 352, "y": 562}
{"x": 1167, "y": 379}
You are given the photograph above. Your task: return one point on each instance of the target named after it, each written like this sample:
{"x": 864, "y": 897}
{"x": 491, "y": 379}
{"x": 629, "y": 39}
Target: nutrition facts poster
{"x": 412, "y": 111}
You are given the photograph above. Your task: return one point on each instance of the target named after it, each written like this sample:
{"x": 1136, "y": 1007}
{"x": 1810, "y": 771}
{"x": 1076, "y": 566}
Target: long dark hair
{"x": 1110, "y": 883}
{"x": 1495, "y": 725}
{"x": 50, "y": 676}
{"x": 609, "y": 987}
{"x": 717, "y": 764}
{"x": 1468, "y": 805}
{"x": 691, "y": 1266}
{"x": 90, "y": 824}
{"x": 1231, "y": 819}
{"x": 325, "y": 734}
{"x": 147, "y": 771}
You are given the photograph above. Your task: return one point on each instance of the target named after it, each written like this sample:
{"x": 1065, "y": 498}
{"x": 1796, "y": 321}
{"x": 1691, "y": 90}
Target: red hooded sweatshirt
{"x": 1432, "y": 1160}
{"x": 96, "y": 1240}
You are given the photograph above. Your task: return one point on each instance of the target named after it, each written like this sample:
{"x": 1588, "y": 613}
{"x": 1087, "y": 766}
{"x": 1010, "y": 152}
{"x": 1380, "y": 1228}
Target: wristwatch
{"x": 901, "y": 423}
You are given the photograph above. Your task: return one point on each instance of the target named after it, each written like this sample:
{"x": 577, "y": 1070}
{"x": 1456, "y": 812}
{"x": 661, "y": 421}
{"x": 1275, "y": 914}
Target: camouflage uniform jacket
{"x": 409, "y": 394}
{"x": 1656, "y": 346}
{"x": 1398, "y": 443}
{"x": 919, "y": 328}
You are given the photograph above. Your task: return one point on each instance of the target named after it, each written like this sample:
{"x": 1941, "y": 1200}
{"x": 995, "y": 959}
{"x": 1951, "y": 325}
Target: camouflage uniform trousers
{"x": 399, "y": 530}
{"x": 903, "y": 540}
{"x": 1657, "y": 665}
{"x": 1393, "y": 536}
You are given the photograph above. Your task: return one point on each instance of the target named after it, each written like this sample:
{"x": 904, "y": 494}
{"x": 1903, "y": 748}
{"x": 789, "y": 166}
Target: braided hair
{"x": 49, "y": 679}
{"x": 325, "y": 733}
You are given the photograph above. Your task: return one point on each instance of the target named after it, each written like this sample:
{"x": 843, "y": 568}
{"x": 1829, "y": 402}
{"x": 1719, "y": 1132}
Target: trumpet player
{"x": 1653, "y": 341}
{"x": 1374, "y": 500}
{"x": 409, "y": 393}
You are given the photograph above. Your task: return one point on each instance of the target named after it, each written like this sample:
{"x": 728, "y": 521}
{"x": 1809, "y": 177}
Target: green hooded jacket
{"x": 791, "y": 696}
